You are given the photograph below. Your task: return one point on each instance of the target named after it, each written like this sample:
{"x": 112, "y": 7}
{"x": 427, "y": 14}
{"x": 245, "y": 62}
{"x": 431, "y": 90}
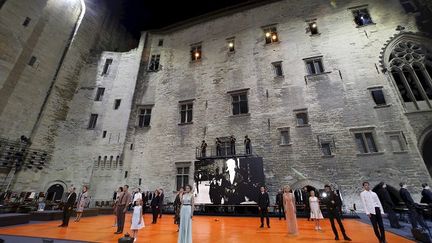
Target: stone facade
{"x": 338, "y": 102}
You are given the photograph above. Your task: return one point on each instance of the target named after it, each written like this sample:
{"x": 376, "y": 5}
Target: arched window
{"x": 104, "y": 162}
{"x": 411, "y": 72}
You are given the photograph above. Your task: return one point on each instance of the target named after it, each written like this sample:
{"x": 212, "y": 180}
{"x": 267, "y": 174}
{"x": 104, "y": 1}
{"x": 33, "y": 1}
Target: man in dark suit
{"x": 68, "y": 206}
{"x": 388, "y": 205}
{"x": 161, "y": 200}
{"x": 411, "y": 205}
{"x": 279, "y": 203}
{"x": 263, "y": 206}
{"x": 426, "y": 193}
{"x": 333, "y": 204}
{"x": 154, "y": 204}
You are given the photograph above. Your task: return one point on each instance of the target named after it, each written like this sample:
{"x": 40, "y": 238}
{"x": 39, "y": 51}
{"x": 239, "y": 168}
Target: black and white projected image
{"x": 230, "y": 181}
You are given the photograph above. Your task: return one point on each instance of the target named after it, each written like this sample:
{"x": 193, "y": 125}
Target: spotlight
{"x": 231, "y": 44}
{"x": 197, "y": 54}
{"x": 314, "y": 25}
{"x": 268, "y": 34}
{"x": 324, "y": 194}
{"x": 274, "y": 37}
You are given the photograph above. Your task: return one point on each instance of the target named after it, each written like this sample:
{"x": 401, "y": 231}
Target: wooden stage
{"x": 205, "y": 229}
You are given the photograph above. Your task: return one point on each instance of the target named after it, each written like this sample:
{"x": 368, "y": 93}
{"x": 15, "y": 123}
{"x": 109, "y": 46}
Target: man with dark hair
{"x": 373, "y": 210}
{"x": 247, "y": 143}
{"x": 333, "y": 203}
{"x": 411, "y": 205}
{"x": 68, "y": 206}
{"x": 203, "y": 148}
{"x": 263, "y": 205}
{"x": 279, "y": 203}
{"x": 388, "y": 205}
{"x": 161, "y": 201}
{"x": 426, "y": 193}
{"x": 124, "y": 200}
{"x": 305, "y": 201}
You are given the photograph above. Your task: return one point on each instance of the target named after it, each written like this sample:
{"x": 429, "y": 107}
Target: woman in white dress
{"x": 82, "y": 203}
{"x": 315, "y": 211}
{"x": 137, "y": 219}
{"x": 186, "y": 213}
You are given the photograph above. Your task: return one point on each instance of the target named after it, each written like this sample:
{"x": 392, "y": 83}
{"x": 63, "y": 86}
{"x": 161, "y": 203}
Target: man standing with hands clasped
{"x": 373, "y": 210}
{"x": 122, "y": 204}
{"x": 263, "y": 205}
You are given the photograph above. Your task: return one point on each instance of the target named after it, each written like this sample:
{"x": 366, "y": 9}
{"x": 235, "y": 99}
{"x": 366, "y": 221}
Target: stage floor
{"x": 205, "y": 229}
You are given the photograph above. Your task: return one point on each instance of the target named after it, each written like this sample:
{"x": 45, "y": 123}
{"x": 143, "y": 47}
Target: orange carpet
{"x": 205, "y": 229}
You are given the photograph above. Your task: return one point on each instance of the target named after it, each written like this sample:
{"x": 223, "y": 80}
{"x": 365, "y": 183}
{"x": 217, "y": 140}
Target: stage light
{"x": 268, "y": 34}
{"x": 197, "y": 54}
{"x": 314, "y": 25}
{"x": 274, "y": 37}
{"x": 324, "y": 194}
{"x": 231, "y": 44}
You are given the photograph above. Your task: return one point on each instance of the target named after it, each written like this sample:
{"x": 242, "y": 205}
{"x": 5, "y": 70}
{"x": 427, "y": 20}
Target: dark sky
{"x": 153, "y": 14}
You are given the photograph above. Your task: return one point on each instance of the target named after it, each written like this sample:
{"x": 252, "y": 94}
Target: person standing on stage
{"x": 247, "y": 143}
{"x": 83, "y": 200}
{"x": 137, "y": 195}
{"x": 305, "y": 201}
{"x": 315, "y": 211}
{"x": 177, "y": 206}
{"x": 232, "y": 145}
{"x": 388, "y": 205}
{"x": 161, "y": 201}
{"x": 68, "y": 206}
{"x": 117, "y": 197}
{"x": 263, "y": 206}
{"x": 137, "y": 219}
{"x": 203, "y": 148}
{"x": 155, "y": 206}
{"x": 333, "y": 204}
{"x": 426, "y": 193}
{"x": 373, "y": 210}
{"x": 290, "y": 211}
{"x": 186, "y": 214}
{"x": 124, "y": 201}
{"x": 280, "y": 205}
{"x": 414, "y": 217}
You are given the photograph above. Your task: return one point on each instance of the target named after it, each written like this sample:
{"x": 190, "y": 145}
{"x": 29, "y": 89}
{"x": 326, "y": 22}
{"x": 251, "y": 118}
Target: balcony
{"x": 224, "y": 152}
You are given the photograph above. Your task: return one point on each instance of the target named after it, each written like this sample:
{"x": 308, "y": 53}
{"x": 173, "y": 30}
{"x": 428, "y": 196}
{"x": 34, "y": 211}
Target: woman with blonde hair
{"x": 290, "y": 210}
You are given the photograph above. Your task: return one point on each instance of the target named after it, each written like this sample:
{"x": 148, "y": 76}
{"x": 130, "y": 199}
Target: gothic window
{"x": 107, "y": 65}
{"x": 271, "y": 34}
{"x": 410, "y": 68}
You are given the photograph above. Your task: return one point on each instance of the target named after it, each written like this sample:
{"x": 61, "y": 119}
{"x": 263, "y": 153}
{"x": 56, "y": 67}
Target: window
{"x": 365, "y": 142}
{"x": 231, "y": 44}
{"x": 271, "y": 35}
{"x": 409, "y": 6}
{"x": 326, "y": 144}
{"x": 126, "y": 174}
{"x": 104, "y": 161}
{"x": 182, "y": 177}
{"x": 99, "y": 94}
{"x": 117, "y": 104}
{"x": 160, "y": 43}
{"x": 117, "y": 163}
{"x": 313, "y": 28}
{"x": 32, "y": 61}
{"x": 326, "y": 149}
{"x": 93, "y": 120}
{"x": 104, "y": 133}
{"x": 362, "y": 17}
{"x": 239, "y": 103}
{"x": 107, "y": 65}
{"x": 302, "y": 117}
{"x": 314, "y": 65}
{"x": 196, "y": 52}
{"x": 397, "y": 141}
{"x": 98, "y": 163}
{"x": 284, "y": 136}
{"x": 26, "y": 21}
{"x": 144, "y": 117}
{"x": 154, "y": 63}
{"x": 277, "y": 66}
{"x": 110, "y": 162}
{"x": 378, "y": 97}
{"x": 186, "y": 113}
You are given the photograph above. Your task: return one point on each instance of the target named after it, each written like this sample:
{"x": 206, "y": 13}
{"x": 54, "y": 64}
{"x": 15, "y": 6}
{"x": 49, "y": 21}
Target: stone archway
{"x": 426, "y": 149}
{"x": 55, "y": 190}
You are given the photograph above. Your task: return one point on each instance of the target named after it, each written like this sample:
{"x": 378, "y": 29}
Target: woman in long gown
{"x": 290, "y": 211}
{"x": 82, "y": 203}
{"x": 186, "y": 213}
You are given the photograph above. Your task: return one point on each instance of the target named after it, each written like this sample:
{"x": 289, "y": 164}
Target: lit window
{"x": 271, "y": 35}
{"x": 99, "y": 94}
{"x": 313, "y": 27}
{"x": 144, "y": 117}
{"x": 231, "y": 45}
{"x": 154, "y": 63}
{"x": 186, "y": 113}
{"x": 365, "y": 142}
{"x": 240, "y": 103}
{"x": 107, "y": 65}
{"x": 314, "y": 66}
{"x": 277, "y": 66}
{"x": 93, "y": 121}
{"x": 196, "y": 53}
{"x": 362, "y": 17}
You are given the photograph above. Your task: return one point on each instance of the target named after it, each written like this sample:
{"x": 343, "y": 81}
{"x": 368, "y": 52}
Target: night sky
{"x": 154, "y": 14}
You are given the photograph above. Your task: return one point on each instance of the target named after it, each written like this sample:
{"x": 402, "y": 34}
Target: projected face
{"x": 231, "y": 166}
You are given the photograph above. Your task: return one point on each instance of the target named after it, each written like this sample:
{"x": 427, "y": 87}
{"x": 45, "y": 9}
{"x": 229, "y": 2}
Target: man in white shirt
{"x": 373, "y": 210}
